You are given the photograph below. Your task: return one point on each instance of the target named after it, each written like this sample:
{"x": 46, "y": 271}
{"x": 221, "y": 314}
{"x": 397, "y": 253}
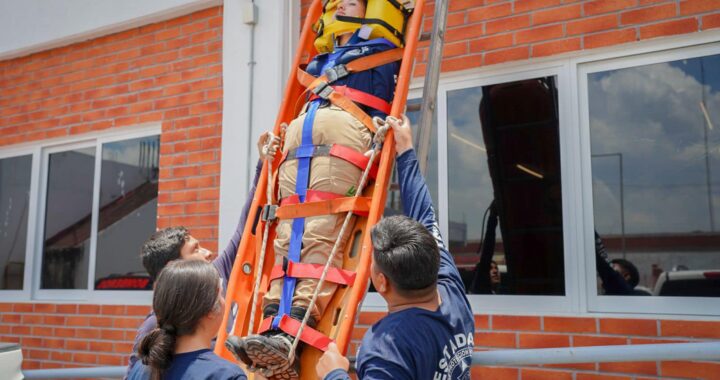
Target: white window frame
{"x": 34, "y": 153}
{"x": 623, "y": 304}
{"x": 36, "y": 220}
{"x": 520, "y": 303}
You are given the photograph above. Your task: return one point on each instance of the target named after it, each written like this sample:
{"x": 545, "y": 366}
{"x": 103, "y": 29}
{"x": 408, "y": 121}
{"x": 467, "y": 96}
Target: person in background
{"x": 619, "y": 277}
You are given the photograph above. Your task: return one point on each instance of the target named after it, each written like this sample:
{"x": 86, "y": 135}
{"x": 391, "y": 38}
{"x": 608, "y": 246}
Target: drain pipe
{"x": 250, "y": 17}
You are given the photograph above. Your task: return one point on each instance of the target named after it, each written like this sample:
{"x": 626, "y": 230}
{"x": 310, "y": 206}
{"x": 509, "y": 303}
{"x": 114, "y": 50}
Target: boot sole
{"x": 268, "y": 357}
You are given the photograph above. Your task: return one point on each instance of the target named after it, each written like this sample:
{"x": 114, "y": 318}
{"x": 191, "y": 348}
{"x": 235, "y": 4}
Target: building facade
{"x": 599, "y": 116}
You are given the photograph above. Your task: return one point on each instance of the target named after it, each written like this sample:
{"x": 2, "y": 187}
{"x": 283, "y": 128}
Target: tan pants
{"x": 332, "y": 126}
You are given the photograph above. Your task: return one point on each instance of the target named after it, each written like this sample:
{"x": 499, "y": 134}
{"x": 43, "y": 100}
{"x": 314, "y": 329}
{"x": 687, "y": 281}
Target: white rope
{"x": 266, "y": 232}
{"x": 381, "y": 127}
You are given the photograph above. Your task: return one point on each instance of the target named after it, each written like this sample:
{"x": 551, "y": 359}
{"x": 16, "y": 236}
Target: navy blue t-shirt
{"x": 200, "y": 365}
{"x": 418, "y": 343}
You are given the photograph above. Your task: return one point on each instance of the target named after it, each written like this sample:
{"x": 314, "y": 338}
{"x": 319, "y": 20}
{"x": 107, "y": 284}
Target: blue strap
{"x": 298, "y": 226}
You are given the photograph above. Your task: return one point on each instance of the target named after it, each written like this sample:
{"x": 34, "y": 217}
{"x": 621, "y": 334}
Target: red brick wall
{"x": 168, "y": 73}
{"x": 488, "y": 32}
{"x": 511, "y": 332}
{"x": 68, "y": 335}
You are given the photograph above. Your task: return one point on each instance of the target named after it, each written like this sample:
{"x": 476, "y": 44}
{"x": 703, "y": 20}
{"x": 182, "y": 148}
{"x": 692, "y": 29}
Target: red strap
{"x": 348, "y": 154}
{"x": 300, "y": 270}
{"x": 354, "y": 157}
{"x": 277, "y": 272}
{"x": 310, "y": 196}
{"x": 291, "y": 326}
{"x": 361, "y": 97}
{"x": 265, "y": 325}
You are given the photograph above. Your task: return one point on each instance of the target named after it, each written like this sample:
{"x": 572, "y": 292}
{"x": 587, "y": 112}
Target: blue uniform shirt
{"x": 195, "y": 365}
{"x": 394, "y": 348}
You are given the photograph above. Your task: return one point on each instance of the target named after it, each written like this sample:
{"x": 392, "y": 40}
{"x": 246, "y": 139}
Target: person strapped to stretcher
{"x": 348, "y": 83}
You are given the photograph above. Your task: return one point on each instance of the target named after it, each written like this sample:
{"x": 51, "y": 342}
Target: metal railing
{"x": 76, "y": 373}
{"x": 564, "y": 355}
{"x": 600, "y": 354}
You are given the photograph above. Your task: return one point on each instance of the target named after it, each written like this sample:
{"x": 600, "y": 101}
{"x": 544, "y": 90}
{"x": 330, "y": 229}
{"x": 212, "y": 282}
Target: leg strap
{"x": 321, "y": 203}
{"x": 300, "y": 270}
{"x": 291, "y": 326}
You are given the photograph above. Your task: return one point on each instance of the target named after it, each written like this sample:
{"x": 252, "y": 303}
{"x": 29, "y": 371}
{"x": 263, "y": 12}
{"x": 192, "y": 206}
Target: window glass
{"x": 68, "y": 218}
{"x": 127, "y": 212}
{"x": 503, "y": 145}
{"x": 656, "y": 177}
{"x": 14, "y": 203}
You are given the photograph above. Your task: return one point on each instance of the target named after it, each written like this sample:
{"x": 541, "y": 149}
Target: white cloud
{"x": 652, "y": 115}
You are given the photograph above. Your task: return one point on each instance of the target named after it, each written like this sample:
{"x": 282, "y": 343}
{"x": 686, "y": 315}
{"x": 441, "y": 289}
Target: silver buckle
{"x": 323, "y": 90}
{"x": 336, "y": 72}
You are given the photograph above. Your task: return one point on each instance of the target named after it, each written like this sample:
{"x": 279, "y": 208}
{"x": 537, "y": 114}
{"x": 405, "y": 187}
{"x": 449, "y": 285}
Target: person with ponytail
{"x": 188, "y": 304}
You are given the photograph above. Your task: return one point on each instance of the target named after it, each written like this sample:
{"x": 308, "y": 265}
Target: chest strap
{"x": 334, "y": 150}
{"x": 359, "y": 97}
{"x": 360, "y": 64}
{"x": 326, "y": 92}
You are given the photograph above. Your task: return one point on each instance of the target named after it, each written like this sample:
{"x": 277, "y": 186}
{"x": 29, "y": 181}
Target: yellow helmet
{"x": 386, "y": 19}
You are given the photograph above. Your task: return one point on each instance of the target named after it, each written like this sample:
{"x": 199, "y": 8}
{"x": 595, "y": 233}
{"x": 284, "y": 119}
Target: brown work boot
{"x": 270, "y": 351}
{"x": 270, "y": 354}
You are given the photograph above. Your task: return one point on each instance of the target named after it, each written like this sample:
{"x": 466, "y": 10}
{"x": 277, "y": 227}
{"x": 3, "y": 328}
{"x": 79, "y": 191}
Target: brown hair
{"x": 185, "y": 292}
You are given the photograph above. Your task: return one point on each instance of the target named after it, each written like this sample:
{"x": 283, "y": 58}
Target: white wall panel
{"x": 28, "y": 26}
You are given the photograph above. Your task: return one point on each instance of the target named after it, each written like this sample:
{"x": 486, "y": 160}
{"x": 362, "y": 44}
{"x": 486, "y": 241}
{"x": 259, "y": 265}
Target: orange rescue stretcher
{"x": 337, "y": 322}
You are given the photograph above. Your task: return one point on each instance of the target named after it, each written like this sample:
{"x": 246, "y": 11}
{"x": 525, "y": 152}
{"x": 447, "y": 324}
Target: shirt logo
{"x": 457, "y": 357}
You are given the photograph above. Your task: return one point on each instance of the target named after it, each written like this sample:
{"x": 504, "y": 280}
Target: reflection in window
{"x": 14, "y": 203}
{"x": 127, "y": 212}
{"x": 68, "y": 217}
{"x": 508, "y": 153}
{"x": 655, "y": 170}
{"x": 126, "y": 215}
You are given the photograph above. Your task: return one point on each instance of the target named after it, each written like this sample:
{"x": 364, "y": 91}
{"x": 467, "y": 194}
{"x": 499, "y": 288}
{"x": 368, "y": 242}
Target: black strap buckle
{"x": 336, "y": 72}
{"x": 268, "y": 213}
{"x": 323, "y": 90}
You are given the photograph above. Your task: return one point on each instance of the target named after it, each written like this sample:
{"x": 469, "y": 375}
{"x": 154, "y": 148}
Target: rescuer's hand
{"x": 331, "y": 360}
{"x": 403, "y": 133}
{"x": 268, "y": 145}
